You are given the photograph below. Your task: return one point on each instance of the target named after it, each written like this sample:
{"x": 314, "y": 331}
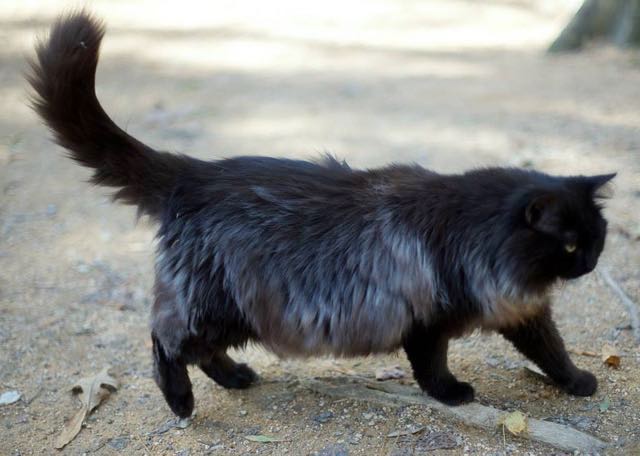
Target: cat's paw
{"x": 180, "y": 404}
{"x": 584, "y": 383}
{"x": 240, "y": 377}
{"x": 452, "y": 392}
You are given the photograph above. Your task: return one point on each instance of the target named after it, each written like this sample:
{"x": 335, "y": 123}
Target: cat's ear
{"x": 541, "y": 212}
{"x": 599, "y": 185}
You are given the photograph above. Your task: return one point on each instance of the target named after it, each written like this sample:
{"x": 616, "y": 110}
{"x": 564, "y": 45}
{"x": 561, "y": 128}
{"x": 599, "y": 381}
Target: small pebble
{"x": 9, "y": 397}
{"x": 119, "y": 443}
{"x": 323, "y": 417}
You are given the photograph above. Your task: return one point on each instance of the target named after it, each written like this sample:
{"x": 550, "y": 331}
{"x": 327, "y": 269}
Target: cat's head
{"x": 561, "y": 227}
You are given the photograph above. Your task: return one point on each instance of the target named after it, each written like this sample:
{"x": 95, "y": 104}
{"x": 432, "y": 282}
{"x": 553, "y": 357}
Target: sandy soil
{"x": 447, "y": 84}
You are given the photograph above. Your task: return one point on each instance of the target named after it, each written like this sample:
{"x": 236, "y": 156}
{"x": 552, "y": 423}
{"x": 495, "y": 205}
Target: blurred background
{"x": 450, "y": 85}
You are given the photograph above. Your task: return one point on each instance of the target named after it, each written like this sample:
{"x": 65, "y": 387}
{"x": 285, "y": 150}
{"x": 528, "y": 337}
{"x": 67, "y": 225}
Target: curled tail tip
{"x": 62, "y": 74}
{"x": 77, "y": 29}
{"x": 72, "y": 34}
{"x": 70, "y": 49}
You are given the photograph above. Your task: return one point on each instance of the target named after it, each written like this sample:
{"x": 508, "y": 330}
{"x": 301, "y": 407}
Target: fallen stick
{"x": 474, "y": 414}
{"x": 583, "y": 352}
{"x": 631, "y": 306}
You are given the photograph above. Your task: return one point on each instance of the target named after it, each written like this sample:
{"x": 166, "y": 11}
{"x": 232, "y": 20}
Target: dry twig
{"x": 632, "y": 307}
{"x": 474, "y": 414}
{"x": 583, "y": 352}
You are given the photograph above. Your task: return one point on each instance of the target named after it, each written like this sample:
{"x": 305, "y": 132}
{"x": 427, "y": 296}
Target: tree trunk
{"x": 616, "y": 21}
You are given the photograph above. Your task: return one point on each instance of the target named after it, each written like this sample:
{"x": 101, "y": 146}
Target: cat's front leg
{"x": 538, "y": 339}
{"x": 426, "y": 348}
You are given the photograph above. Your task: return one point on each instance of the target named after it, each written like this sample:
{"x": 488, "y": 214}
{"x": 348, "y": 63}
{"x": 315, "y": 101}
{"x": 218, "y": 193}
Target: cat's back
{"x": 276, "y": 192}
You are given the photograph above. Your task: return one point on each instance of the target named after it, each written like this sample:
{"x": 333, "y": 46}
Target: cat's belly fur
{"x": 354, "y": 310}
{"x": 312, "y": 333}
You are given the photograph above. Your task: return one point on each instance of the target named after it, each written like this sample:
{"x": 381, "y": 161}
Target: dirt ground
{"x": 447, "y": 84}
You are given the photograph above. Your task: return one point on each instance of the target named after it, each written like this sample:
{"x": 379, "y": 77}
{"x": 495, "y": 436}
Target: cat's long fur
{"x": 318, "y": 258}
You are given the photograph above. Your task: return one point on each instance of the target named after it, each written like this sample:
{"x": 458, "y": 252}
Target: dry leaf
{"x": 95, "y": 389}
{"x": 610, "y": 356}
{"x": 71, "y": 428}
{"x": 515, "y": 422}
{"x": 388, "y": 373}
{"x": 92, "y": 390}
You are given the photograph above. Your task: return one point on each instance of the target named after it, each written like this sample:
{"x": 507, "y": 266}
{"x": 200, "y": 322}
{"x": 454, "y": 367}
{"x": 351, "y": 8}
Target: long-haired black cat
{"x": 314, "y": 258}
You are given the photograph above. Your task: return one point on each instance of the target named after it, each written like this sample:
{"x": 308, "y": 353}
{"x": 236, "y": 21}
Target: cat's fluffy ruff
{"x": 318, "y": 258}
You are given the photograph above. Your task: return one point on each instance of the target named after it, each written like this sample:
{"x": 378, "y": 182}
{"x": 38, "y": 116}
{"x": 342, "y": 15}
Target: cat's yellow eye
{"x": 570, "y": 248}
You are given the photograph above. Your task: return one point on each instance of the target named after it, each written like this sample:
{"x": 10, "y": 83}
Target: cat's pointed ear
{"x": 541, "y": 212}
{"x": 599, "y": 185}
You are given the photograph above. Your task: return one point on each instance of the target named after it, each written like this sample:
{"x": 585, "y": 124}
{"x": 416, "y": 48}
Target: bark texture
{"x": 615, "y": 21}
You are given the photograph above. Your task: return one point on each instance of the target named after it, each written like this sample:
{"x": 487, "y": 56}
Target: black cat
{"x": 318, "y": 258}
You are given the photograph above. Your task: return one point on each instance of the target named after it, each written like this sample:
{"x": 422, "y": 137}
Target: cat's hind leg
{"x": 169, "y": 336}
{"x": 170, "y": 374}
{"x": 538, "y": 339}
{"x": 221, "y": 368}
{"x": 224, "y": 327}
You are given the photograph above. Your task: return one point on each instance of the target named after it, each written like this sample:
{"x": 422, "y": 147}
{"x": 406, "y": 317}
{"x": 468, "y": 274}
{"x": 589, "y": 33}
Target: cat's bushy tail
{"x": 63, "y": 77}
